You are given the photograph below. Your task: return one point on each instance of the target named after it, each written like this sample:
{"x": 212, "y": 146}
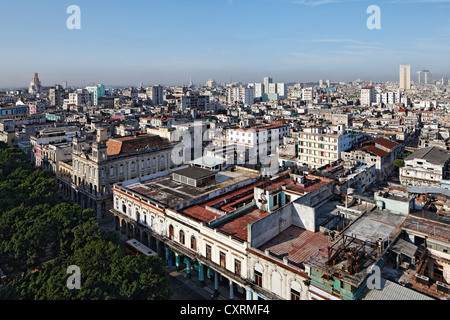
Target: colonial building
{"x": 219, "y": 232}
{"x": 379, "y": 151}
{"x": 426, "y": 167}
{"x": 97, "y": 166}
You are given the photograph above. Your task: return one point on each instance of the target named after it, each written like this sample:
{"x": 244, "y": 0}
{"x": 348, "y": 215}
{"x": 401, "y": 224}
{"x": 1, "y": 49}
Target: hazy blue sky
{"x": 128, "y": 42}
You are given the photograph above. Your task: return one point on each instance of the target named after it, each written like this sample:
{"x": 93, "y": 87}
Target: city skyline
{"x": 151, "y": 42}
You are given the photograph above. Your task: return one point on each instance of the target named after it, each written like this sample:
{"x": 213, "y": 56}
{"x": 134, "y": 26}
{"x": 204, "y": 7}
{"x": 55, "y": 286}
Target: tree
{"x": 65, "y": 219}
{"x": 24, "y": 237}
{"x": 399, "y": 163}
{"x": 141, "y": 278}
{"x": 32, "y": 221}
{"x": 105, "y": 275}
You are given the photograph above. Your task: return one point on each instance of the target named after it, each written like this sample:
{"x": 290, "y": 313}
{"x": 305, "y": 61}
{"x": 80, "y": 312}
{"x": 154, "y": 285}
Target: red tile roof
{"x": 129, "y": 144}
{"x": 237, "y": 227}
{"x": 383, "y": 142}
{"x": 374, "y": 150}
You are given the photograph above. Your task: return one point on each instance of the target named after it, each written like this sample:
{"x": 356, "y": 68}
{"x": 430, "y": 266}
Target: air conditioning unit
{"x": 422, "y": 279}
{"x": 443, "y": 287}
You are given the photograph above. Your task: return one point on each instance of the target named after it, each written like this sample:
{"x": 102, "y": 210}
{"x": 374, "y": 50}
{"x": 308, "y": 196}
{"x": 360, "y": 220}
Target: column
{"x": 167, "y": 255}
{"x": 231, "y": 290}
{"x": 201, "y": 280}
{"x": 177, "y": 261}
{"x": 216, "y": 282}
{"x": 188, "y": 268}
{"x": 249, "y": 294}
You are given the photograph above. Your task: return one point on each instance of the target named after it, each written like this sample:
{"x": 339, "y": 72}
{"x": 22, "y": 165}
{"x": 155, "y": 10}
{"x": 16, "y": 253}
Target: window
{"x": 208, "y": 252}
{"x": 121, "y": 169}
{"x": 111, "y": 171}
{"x": 223, "y": 259}
{"x": 171, "y": 232}
{"x": 133, "y": 167}
{"x": 193, "y": 243}
{"x": 181, "y": 236}
{"x": 124, "y": 207}
{"x": 237, "y": 267}
{"x": 295, "y": 295}
{"x": 258, "y": 278}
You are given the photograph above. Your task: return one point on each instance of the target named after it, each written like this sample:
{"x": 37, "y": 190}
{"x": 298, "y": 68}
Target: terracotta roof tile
{"x": 129, "y": 144}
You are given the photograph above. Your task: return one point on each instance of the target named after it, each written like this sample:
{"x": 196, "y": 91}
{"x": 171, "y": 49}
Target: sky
{"x": 128, "y": 42}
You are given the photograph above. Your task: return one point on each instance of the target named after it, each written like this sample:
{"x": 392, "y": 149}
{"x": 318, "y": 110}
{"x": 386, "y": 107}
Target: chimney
{"x": 101, "y": 135}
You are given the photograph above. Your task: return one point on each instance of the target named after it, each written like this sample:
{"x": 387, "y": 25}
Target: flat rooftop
{"x": 295, "y": 243}
{"x": 169, "y": 193}
{"x": 367, "y": 229}
{"x": 195, "y": 172}
{"x": 376, "y": 224}
{"x": 426, "y": 226}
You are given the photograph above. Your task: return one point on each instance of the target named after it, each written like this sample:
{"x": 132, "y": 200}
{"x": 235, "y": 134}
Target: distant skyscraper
{"x": 267, "y": 80}
{"x": 424, "y": 77}
{"x": 35, "y": 84}
{"x": 259, "y": 90}
{"x": 444, "y": 81}
{"x": 405, "y": 77}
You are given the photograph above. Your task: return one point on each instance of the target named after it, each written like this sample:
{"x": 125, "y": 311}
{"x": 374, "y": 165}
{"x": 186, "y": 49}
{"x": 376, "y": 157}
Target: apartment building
{"x": 243, "y": 95}
{"x": 380, "y": 152}
{"x": 426, "y": 167}
{"x": 256, "y": 142}
{"x": 319, "y": 146}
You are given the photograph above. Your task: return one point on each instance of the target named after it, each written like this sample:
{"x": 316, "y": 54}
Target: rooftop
{"x": 195, "y": 172}
{"x": 295, "y": 243}
{"x": 237, "y": 227}
{"x": 134, "y": 143}
{"x": 169, "y": 193}
{"x": 433, "y": 155}
{"x": 360, "y": 242}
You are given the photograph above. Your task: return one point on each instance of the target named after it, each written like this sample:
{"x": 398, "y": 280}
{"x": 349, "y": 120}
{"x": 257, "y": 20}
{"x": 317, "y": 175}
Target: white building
{"x": 155, "y": 94}
{"x": 405, "y": 77}
{"x": 243, "y": 95}
{"x": 425, "y": 167}
{"x": 80, "y": 98}
{"x": 307, "y": 94}
{"x": 367, "y": 96}
{"x": 321, "y": 146}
